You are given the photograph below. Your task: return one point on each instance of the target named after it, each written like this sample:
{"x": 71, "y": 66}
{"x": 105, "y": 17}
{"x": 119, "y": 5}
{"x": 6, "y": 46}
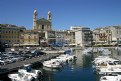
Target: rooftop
{"x": 43, "y": 21}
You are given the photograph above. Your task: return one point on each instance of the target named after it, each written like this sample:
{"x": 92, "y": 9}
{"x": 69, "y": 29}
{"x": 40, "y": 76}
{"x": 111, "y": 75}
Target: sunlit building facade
{"x": 83, "y": 35}
{"x": 110, "y": 35}
{"x": 29, "y": 38}
{"x": 10, "y": 34}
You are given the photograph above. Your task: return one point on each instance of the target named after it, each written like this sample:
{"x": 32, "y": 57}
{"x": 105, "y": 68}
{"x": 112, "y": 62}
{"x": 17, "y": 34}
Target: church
{"x": 41, "y": 29}
{"x": 42, "y": 32}
{"x": 42, "y": 24}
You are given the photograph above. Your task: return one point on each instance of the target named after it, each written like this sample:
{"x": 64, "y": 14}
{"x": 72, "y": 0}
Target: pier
{"x": 5, "y": 69}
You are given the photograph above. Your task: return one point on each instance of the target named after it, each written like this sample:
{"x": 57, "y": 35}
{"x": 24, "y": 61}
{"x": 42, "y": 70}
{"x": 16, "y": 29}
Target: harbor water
{"x": 77, "y": 70}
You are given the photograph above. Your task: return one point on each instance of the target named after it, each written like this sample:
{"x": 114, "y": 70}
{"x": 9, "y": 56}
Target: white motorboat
{"x": 26, "y": 74}
{"x": 20, "y": 77}
{"x": 103, "y": 61}
{"x": 100, "y": 62}
{"x": 62, "y": 61}
{"x": 105, "y": 64}
{"x": 51, "y": 69}
{"x": 67, "y": 57}
{"x": 111, "y": 78}
{"x": 52, "y": 64}
{"x": 112, "y": 67}
{"x": 109, "y": 70}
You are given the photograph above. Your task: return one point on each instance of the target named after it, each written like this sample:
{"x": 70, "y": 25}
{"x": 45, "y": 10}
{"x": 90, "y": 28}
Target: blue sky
{"x": 65, "y": 13}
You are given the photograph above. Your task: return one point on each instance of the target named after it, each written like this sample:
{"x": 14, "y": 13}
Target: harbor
{"x": 76, "y": 70}
{"x": 55, "y": 41}
{"x": 65, "y": 67}
{"x": 7, "y": 68}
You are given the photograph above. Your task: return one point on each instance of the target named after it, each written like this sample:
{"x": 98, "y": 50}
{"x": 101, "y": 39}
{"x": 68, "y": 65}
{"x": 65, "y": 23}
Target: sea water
{"x": 77, "y": 70}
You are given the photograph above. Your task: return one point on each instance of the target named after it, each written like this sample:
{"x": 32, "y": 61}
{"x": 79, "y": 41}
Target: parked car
{"x": 37, "y": 53}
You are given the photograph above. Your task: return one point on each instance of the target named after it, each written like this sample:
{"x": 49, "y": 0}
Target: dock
{"x": 54, "y": 52}
{"x": 5, "y": 69}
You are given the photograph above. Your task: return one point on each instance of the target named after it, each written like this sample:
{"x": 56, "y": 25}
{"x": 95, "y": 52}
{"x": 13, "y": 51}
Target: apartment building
{"x": 109, "y": 35}
{"x": 9, "y": 34}
{"x": 29, "y": 38}
{"x": 83, "y": 35}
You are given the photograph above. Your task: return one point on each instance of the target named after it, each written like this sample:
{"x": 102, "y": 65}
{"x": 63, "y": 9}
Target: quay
{"x": 5, "y": 69}
{"x": 54, "y": 52}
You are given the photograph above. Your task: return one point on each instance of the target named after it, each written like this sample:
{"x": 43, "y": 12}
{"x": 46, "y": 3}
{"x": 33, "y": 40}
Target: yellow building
{"x": 29, "y": 38}
{"x": 9, "y": 34}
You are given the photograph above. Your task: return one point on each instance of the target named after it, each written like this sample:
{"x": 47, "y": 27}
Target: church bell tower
{"x": 35, "y": 17}
{"x": 49, "y": 17}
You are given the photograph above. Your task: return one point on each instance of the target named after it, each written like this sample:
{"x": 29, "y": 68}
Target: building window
{"x": 29, "y": 37}
{"x": 3, "y": 31}
{"x": 43, "y": 27}
{"x": 34, "y": 37}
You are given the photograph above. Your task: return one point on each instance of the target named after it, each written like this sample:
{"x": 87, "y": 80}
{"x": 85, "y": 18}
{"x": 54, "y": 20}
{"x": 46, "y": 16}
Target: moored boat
{"x": 52, "y": 64}
{"x": 111, "y": 78}
{"x": 26, "y": 74}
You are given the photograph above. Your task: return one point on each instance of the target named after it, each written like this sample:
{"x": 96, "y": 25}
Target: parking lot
{"x": 17, "y": 56}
